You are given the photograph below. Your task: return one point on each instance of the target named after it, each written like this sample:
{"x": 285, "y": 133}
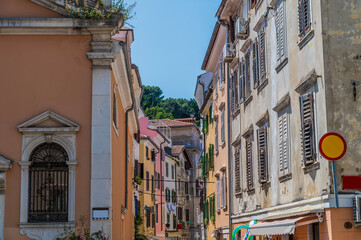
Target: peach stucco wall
{"x": 118, "y": 174}
{"x": 40, "y": 73}
{"x": 24, "y": 8}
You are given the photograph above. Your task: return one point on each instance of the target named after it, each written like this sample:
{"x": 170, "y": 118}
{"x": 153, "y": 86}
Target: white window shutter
{"x": 285, "y": 144}
{"x": 222, "y": 191}
{"x": 280, "y": 19}
{"x": 280, "y": 144}
{"x": 218, "y": 196}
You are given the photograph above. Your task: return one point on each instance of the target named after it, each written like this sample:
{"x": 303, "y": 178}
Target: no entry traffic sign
{"x": 332, "y": 146}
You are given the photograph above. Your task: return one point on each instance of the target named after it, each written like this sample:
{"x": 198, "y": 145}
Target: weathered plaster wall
{"x": 341, "y": 29}
{"x": 40, "y": 73}
{"x": 24, "y": 8}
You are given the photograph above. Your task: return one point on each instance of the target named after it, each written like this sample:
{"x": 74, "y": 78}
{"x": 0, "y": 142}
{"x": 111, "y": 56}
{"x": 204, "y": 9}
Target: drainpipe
{"x": 204, "y": 179}
{"x": 229, "y": 152}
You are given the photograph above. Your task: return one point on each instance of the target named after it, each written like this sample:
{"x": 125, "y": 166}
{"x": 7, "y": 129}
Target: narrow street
{"x": 180, "y": 120}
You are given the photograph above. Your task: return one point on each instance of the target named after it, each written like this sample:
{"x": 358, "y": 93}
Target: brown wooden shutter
{"x": 249, "y": 164}
{"x": 308, "y": 128}
{"x": 235, "y": 77}
{"x": 237, "y": 171}
{"x": 247, "y": 77}
{"x": 255, "y": 66}
{"x": 253, "y": 3}
{"x": 304, "y": 17}
{"x": 242, "y": 80}
{"x": 262, "y": 53}
{"x": 262, "y": 155}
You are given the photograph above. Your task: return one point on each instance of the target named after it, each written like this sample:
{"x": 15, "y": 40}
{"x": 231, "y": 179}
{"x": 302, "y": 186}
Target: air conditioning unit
{"x": 357, "y": 210}
{"x": 229, "y": 52}
{"x": 242, "y": 29}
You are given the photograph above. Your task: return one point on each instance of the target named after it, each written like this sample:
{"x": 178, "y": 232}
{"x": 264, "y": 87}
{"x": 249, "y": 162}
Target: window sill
{"x": 251, "y": 191}
{"x": 223, "y": 144}
{"x": 238, "y": 194}
{"x": 263, "y": 84}
{"x": 247, "y": 101}
{"x": 312, "y": 167}
{"x": 236, "y": 112}
{"x": 285, "y": 177}
{"x": 305, "y": 39}
{"x": 265, "y": 185}
{"x": 281, "y": 65}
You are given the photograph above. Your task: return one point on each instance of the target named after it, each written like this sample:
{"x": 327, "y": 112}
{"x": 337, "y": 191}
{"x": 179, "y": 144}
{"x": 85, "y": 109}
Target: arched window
{"x": 48, "y": 184}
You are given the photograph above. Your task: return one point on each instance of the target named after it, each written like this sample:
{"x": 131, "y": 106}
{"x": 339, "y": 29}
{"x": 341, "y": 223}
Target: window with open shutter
{"x": 216, "y": 81}
{"x": 237, "y": 171}
{"x": 247, "y": 80}
{"x": 147, "y": 176}
{"x": 262, "y": 53}
{"x": 255, "y": 63}
{"x": 308, "y": 128}
{"x": 249, "y": 168}
{"x": 283, "y": 143}
{"x": 218, "y": 195}
{"x": 235, "y": 99}
{"x": 216, "y": 135}
{"x": 223, "y": 137}
{"x": 262, "y": 155}
{"x": 224, "y": 191}
{"x": 304, "y": 17}
{"x": 280, "y": 21}
{"x": 241, "y": 66}
{"x": 220, "y": 73}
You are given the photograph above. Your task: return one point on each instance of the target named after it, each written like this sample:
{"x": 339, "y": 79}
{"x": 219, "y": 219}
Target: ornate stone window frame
{"x": 64, "y": 134}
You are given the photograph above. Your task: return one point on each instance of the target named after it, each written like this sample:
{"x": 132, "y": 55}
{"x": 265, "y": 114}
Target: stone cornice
{"x": 58, "y": 26}
{"x": 282, "y": 103}
{"x": 306, "y": 82}
{"x": 5, "y": 163}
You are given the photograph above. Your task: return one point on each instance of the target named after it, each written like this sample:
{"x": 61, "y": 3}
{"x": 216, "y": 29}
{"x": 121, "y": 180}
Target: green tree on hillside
{"x": 156, "y": 107}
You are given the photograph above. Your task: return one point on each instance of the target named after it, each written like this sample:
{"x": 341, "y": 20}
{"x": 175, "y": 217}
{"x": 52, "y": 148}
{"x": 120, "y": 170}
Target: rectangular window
{"x": 283, "y": 142}
{"x": 172, "y": 172}
{"x": 313, "y": 231}
{"x": 255, "y": 62}
{"x": 162, "y": 183}
{"x": 262, "y": 54}
{"x": 156, "y": 180}
{"x": 115, "y": 108}
{"x": 216, "y": 135}
{"x": 241, "y": 80}
{"x": 237, "y": 171}
{"x": 186, "y": 188}
{"x": 148, "y": 218}
{"x": 216, "y": 81}
{"x": 262, "y": 155}
{"x": 168, "y": 218}
{"x": 156, "y": 213}
{"x": 147, "y": 181}
{"x": 308, "y": 128}
{"x": 166, "y": 169}
{"x": 221, "y": 73}
{"x": 174, "y": 221}
{"x": 180, "y": 213}
{"x": 223, "y": 191}
{"x": 249, "y": 167}
{"x": 247, "y": 76}
{"x": 280, "y": 22}
{"x": 147, "y": 152}
{"x": 235, "y": 99}
{"x": 304, "y": 17}
{"x": 223, "y": 137}
{"x": 153, "y": 155}
{"x": 187, "y": 215}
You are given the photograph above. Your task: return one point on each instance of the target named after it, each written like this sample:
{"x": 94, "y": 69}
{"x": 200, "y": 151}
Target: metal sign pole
{"x": 335, "y": 183}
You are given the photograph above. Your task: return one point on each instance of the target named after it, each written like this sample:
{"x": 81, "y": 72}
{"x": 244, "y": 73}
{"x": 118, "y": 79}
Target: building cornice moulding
{"x": 57, "y": 26}
{"x": 306, "y": 82}
{"x": 282, "y": 103}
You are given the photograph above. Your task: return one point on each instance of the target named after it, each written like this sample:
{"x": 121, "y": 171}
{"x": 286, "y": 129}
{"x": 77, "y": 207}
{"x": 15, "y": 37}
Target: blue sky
{"x": 171, "y": 39}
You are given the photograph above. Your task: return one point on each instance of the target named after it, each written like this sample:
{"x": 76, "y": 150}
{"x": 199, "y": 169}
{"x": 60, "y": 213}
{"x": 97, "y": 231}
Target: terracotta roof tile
{"x": 177, "y": 149}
